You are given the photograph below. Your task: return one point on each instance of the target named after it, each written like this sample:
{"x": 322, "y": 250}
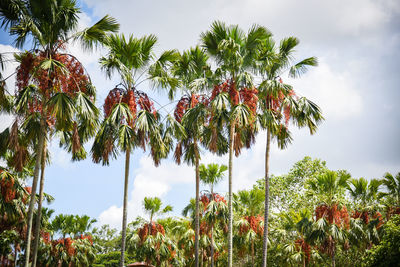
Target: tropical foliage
{"x": 226, "y": 90}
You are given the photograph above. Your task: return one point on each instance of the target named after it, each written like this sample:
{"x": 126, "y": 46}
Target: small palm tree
{"x": 212, "y": 175}
{"x": 332, "y": 218}
{"x": 249, "y": 206}
{"x": 152, "y": 206}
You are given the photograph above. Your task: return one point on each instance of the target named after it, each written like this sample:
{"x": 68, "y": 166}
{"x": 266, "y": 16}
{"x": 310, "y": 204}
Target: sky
{"x": 356, "y": 85}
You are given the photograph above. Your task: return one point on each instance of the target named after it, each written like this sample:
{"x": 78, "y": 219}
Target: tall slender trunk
{"x": 212, "y": 231}
{"x": 266, "y": 203}
{"x": 252, "y": 252}
{"x": 230, "y": 220}
{"x": 15, "y": 254}
{"x": 333, "y": 257}
{"x": 125, "y": 208}
{"x": 196, "y": 219}
{"x": 39, "y": 212}
{"x": 42, "y": 133}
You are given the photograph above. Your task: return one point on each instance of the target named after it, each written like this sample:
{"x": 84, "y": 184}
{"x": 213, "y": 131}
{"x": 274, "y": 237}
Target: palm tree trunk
{"x": 39, "y": 212}
{"x": 125, "y": 208}
{"x": 197, "y": 223}
{"x": 252, "y": 252}
{"x": 230, "y": 220}
{"x": 266, "y": 203}
{"x": 333, "y": 258}
{"x": 212, "y": 232}
{"x": 42, "y": 134}
{"x": 15, "y": 254}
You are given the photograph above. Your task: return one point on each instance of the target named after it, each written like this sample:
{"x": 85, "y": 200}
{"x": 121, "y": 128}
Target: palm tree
{"x": 392, "y": 185}
{"x": 234, "y": 98}
{"x": 133, "y": 60}
{"x": 211, "y": 175}
{"x": 278, "y": 103}
{"x": 51, "y": 25}
{"x": 331, "y": 214}
{"x": 152, "y": 206}
{"x": 192, "y": 70}
{"x": 248, "y": 204}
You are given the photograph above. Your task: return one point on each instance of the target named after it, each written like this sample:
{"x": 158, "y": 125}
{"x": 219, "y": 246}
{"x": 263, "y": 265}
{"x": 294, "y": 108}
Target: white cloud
{"x": 148, "y": 181}
{"x": 335, "y": 92}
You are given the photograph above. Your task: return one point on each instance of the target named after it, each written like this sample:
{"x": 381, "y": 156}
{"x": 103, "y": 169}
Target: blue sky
{"x": 356, "y": 85}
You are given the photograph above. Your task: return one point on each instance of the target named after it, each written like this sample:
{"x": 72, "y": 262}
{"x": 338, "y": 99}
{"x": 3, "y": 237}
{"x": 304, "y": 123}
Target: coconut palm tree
{"x": 211, "y": 175}
{"x": 51, "y": 25}
{"x": 132, "y": 59}
{"x": 279, "y": 104}
{"x": 234, "y": 98}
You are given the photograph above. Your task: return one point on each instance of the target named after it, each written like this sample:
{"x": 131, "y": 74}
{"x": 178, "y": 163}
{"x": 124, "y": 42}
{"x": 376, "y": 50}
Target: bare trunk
{"x": 125, "y": 208}
{"x": 15, "y": 254}
{"x": 252, "y": 252}
{"x": 39, "y": 212}
{"x": 333, "y": 258}
{"x": 42, "y": 134}
{"x": 266, "y": 203}
{"x": 197, "y": 223}
{"x": 230, "y": 223}
{"x": 212, "y": 231}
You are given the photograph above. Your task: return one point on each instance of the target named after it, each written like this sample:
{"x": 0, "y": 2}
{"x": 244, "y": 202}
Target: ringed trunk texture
{"x": 230, "y": 223}
{"x": 42, "y": 134}
{"x": 39, "y": 212}
{"x": 125, "y": 211}
{"x": 266, "y": 203}
{"x": 197, "y": 223}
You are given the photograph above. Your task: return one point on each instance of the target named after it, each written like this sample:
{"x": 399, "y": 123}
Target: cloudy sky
{"x": 356, "y": 85}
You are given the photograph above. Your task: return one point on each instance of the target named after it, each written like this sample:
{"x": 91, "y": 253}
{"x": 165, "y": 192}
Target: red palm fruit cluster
{"x": 70, "y": 81}
{"x": 364, "y": 216}
{"x": 130, "y": 97}
{"x": 145, "y": 103}
{"x": 68, "y": 243}
{"x": 254, "y": 223}
{"x": 333, "y": 215}
{"x": 205, "y": 229}
{"x": 88, "y": 237}
{"x": 130, "y": 100}
{"x": 249, "y": 97}
{"x": 227, "y": 87}
{"x": 114, "y": 96}
{"x": 302, "y": 245}
{"x": 7, "y": 189}
{"x": 392, "y": 211}
{"x": 206, "y": 199}
{"x": 378, "y": 216}
{"x": 154, "y": 229}
{"x": 188, "y": 101}
{"x": 46, "y": 237}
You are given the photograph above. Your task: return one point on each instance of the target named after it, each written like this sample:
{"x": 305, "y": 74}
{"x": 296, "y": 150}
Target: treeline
{"x": 318, "y": 217}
